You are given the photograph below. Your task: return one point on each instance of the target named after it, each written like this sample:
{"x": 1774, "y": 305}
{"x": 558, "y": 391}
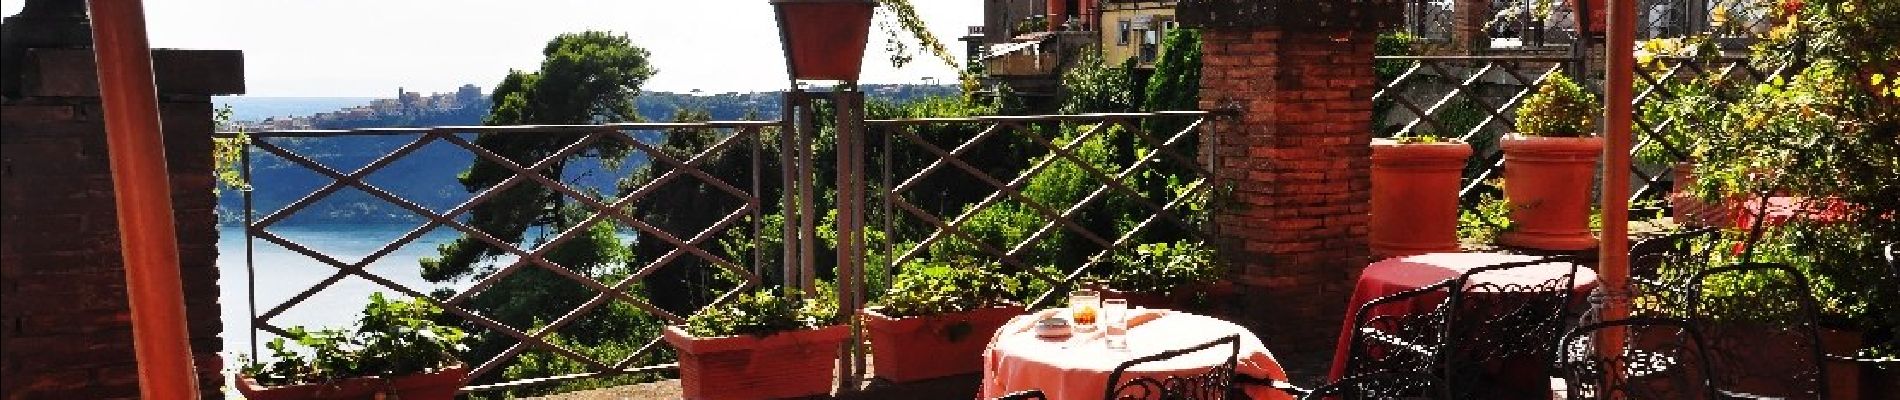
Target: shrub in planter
{"x": 396, "y": 350}
{"x": 1174, "y": 275}
{"x": 1415, "y": 195}
{"x": 760, "y": 345}
{"x": 936, "y": 319}
{"x": 1550, "y": 167}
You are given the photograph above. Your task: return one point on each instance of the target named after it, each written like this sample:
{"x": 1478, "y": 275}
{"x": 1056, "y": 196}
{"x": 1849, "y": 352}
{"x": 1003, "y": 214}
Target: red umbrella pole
{"x": 1613, "y": 261}
{"x": 147, "y": 240}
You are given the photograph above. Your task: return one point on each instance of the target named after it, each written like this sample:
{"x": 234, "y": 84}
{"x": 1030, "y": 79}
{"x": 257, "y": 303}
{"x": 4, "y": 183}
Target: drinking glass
{"x": 1115, "y": 323}
{"x": 1084, "y": 307}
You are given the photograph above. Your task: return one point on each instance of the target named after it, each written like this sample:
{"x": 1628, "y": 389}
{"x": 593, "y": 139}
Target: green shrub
{"x": 1163, "y": 268}
{"x": 393, "y": 338}
{"x": 765, "y": 312}
{"x": 941, "y": 288}
{"x": 1560, "y": 108}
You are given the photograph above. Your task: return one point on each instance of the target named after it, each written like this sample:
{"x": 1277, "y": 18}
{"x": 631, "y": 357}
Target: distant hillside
{"x": 427, "y": 176}
{"x": 251, "y": 108}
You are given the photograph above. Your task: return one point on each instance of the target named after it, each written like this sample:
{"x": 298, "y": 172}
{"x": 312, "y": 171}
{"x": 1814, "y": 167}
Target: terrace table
{"x": 1077, "y": 367}
{"x": 1399, "y": 274}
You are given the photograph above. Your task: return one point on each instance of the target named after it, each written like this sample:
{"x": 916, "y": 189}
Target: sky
{"x": 369, "y": 48}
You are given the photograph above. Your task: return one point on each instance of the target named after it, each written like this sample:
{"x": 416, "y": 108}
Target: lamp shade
{"x": 824, "y": 39}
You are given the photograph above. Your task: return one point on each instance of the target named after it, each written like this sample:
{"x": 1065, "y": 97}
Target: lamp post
{"x": 825, "y": 40}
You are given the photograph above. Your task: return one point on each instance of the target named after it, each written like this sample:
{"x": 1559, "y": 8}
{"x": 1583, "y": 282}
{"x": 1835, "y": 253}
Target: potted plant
{"x": 936, "y": 319}
{"x": 1178, "y": 275}
{"x": 1550, "y": 167}
{"x": 760, "y": 345}
{"x": 395, "y": 351}
{"x": 1415, "y": 182}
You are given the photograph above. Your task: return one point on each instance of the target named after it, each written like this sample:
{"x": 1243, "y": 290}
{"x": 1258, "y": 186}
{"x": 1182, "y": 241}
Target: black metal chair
{"x": 1499, "y": 338}
{"x": 1381, "y": 386}
{"x": 1031, "y": 394}
{"x": 1761, "y": 331}
{"x": 1384, "y": 342}
{"x": 1216, "y": 383}
{"x": 1662, "y": 358}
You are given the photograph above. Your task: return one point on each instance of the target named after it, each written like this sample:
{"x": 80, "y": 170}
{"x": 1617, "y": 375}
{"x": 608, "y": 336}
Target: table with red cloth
{"x": 1399, "y": 274}
{"x": 1077, "y": 367}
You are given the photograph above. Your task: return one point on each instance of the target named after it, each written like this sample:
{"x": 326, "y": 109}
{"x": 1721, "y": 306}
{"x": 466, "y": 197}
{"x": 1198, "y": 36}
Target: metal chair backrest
{"x": 1215, "y": 383}
{"x": 1411, "y": 342}
{"x": 1661, "y": 358}
{"x": 1502, "y": 329}
{"x": 1381, "y": 386}
{"x": 1760, "y": 323}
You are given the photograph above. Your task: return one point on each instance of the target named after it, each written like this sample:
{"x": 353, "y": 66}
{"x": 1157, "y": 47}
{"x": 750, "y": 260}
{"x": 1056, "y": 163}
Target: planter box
{"x": 786, "y": 364}
{"x": 924, "y": 347}
{"x": 1415, "y": 197}
{"x": 439, "y": 385}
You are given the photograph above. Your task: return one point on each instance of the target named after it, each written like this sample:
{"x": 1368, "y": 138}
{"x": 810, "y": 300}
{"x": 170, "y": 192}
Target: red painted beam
{"x": 140, "y": 180}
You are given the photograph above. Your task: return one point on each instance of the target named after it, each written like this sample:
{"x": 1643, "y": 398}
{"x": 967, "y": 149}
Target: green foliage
{"x": 1560, "y": 108}
{"x": 1483, "y": 223}
{"x": 393, "y": 338}
{"x": 1163, "y": 268}
{"x": 1093, "y": 86}
{"x": 1830, "y": 130}
{"x": 227, "y": 154}
{"x": 924, "y": 288}
{"x": 1176, "y": 82}
{"x": 765, "y": 312}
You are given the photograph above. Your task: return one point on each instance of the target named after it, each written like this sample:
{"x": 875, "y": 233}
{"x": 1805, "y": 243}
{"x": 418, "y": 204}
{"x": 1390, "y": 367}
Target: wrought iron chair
{"x": 1490, "y": 339}
{"x": 1031, "y": 394}
{"x": 1383, "y": 342}
{"x": 1761, "y": 333}
{"x": 1382, "y": 386}
{"x": 1215, "y": 383}
{"x": 1662, "y": 358}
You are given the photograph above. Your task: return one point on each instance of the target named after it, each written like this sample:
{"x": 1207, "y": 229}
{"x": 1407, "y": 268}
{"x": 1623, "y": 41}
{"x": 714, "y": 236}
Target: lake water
{"x": 283, "y": 273}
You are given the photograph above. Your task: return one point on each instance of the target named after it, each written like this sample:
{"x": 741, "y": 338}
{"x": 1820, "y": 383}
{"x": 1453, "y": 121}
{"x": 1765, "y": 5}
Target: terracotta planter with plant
{"x": 1415, "y": 184}
{"x": 761, "y": 345}
{"x": 395, "y": 351}
{"x": 1550, "y": 166}
{"x": 935, "y": 321}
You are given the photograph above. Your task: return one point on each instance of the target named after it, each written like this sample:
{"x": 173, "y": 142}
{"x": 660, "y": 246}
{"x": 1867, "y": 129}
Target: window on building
{"x": 1123, "y": 29}
{"x": 1150, "y": 45}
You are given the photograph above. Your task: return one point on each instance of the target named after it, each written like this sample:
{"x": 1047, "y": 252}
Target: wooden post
{"x": 148, "y": 239}
{"x": 849, "y": 105}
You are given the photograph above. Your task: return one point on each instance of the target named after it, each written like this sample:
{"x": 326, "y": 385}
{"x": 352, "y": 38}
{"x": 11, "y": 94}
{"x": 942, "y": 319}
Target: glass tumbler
{"x": 1084, "y": 306}
{"x": 1115, "y": 323}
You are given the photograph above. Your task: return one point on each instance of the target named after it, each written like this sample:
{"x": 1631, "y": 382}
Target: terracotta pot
{"x": 786, "y": 364}
{"x": 1415, "y": 197}
{"x": 1547, "y": 182}
{"x": 826, "y": 37}
{"x": 924, "y": 347}
{"x": 1599, "y": 14}
{"x": 439, "y": 385}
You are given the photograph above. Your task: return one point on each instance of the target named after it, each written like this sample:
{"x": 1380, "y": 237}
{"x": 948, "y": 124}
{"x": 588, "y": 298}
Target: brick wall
{"x": 1297, "y": 161}
{"x": 65, "y": 328}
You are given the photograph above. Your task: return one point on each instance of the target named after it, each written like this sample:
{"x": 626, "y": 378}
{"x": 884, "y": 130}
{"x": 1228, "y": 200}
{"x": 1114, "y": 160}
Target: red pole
{"x": 1613, "y": 261}
{"x": 147, "y": 240}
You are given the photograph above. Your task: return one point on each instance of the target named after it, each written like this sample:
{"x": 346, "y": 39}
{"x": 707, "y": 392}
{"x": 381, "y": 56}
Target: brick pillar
{"x": 1467, "y": 26}
{"x": 67, "y": 331}
{"x": 1296, "y": 159}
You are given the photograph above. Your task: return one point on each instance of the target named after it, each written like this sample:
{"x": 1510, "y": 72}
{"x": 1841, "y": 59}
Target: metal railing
{"x": 1475, "y": 98}
{"x": 641, "y": 140}
{"x": 1155, "y": 176}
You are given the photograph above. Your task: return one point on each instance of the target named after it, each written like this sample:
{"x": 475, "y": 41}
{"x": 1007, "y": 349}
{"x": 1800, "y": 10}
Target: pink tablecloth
{"x": 1399, "y": 274}
{"x": 1078, "y": 367}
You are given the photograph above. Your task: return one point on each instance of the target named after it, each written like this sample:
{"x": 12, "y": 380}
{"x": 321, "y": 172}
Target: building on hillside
{"x": 1135, "y": 29}
{"x": 1028, "y": 44}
